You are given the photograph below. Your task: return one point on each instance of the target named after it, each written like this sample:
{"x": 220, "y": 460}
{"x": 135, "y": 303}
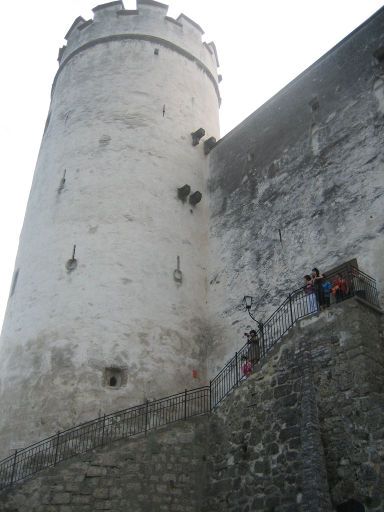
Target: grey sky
{"x": 262, "y": 46}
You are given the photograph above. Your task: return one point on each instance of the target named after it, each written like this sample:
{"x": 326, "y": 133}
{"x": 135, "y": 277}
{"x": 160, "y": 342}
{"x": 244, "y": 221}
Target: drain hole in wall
{"x": 115, "y": 377}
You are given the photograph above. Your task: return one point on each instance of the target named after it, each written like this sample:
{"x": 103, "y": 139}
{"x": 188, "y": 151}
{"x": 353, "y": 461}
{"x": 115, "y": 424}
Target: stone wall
{"x": 298, "y": 184}
{"x": 304, "y": 433}
{"x": 307, "y": 427}
{"x": 255, "y": 443}
{"x": 348, "y": 365}
{"x": 162, "y": 472}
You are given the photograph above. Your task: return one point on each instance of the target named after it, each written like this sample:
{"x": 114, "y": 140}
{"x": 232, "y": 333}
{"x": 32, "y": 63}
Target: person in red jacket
{"x": 340, "y": 288}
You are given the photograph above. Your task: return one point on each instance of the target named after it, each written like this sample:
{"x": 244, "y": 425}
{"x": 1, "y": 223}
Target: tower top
{"x": 111, "y": 21}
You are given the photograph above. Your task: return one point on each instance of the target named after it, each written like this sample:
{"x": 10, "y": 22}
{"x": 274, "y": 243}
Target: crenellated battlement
{"x": 188, "y": 23}
{"x": 109, "y": 6}
{"x": 151, "y": 4}
{"x": 111, "y": 21}
{"x": 78, "y": 21}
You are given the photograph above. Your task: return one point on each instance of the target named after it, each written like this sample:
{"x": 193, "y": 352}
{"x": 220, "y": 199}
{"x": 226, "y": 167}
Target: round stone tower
{"x": 107, "y": 305}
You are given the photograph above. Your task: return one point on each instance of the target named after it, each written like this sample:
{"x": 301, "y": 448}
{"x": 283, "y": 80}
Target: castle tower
{"x": 107, "y": 305}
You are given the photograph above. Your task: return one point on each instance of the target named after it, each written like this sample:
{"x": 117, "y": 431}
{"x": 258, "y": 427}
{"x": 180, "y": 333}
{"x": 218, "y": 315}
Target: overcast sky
{"x": 262, "y": 45}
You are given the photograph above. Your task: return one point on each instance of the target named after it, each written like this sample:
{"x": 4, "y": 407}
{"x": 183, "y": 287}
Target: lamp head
{"x": 248, "y": 300}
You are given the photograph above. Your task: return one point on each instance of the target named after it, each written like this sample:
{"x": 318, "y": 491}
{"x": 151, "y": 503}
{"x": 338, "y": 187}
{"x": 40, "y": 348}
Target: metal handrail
{"x": 142, "y": 418}
{"x": 128, "y": 422}
{"x": 296, "y": 306}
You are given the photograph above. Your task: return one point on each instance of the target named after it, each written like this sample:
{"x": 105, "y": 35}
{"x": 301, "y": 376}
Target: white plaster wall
{"x": 121, "y": 306}
{"x": 314, "y": 178}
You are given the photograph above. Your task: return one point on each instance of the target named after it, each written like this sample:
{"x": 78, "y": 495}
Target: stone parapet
{"x": 111, "y": 21}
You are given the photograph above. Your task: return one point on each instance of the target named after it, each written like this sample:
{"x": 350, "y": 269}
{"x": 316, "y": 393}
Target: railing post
{"x": 57, "y": 447}
{"x": 237, "y": 370}
{"x": 185, "y": 404}
{"x": 146, "y": 417}
{"x": 210, "y": 395}
{"x": 103, "y": 431}
{"x": 351, "y": 280}
{"x": 13, "y": 468}
{"x": 261, "y": 327}
{"x": 347, "y": 275}
{"x": 290, "y": 309}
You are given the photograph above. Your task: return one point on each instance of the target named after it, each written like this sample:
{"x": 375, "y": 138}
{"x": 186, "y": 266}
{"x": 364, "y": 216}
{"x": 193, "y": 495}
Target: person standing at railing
{"x": 317, "y": 281}
{"x": 340, "y": 289}
{"x": 327, "y": 287}
{"x": 253, "y": 343}
{"x": 309, "y": 290}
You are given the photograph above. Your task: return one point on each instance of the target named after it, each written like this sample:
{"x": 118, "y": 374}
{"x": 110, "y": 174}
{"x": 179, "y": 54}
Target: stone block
{"x": 272, "y": 449}
{"x": 72, "y": 487}
{"x": 61, "y": 498}
{"x": 283, "y": 390}
{"x": 289, "y": 433}
{"x": 45, "y": 498}
{"x": 103, "y": 505}
{"x": 133, "y": 486}
{"x": 101, "y": 493}
{"x": 286, "y": 401}
{"x": 260, "y": 467}
{"x": 96, "y": 471}
{"x": 168, "y": 477}
{"x": 115, "y": 492}
{"x": 81, "y": 499}
{"x": 66, "y": 508}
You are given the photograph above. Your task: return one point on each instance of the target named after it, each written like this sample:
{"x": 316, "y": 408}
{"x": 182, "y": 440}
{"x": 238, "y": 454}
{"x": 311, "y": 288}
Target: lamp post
{"x": 248, "y": 302}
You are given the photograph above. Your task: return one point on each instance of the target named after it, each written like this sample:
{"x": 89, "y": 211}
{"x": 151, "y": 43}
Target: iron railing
{"x": 101, "y": 431}
{"x": 151, "y": 415}
{"x": 296, "y": 306}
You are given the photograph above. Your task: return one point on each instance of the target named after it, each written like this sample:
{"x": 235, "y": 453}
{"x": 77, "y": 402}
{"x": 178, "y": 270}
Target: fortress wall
{"x": 299, "y": 184}
{"x": 303, "y": 433}
{"x": 348, "y": 368}
{"x": 116, "y": 148}
{"x": 162, "y": 472}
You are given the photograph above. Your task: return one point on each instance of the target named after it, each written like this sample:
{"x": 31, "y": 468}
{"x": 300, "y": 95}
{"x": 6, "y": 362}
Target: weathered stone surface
{"x": 252, "y": 464}
{"x": 120, "y": 308}
{"x": 173, "y": 478}
{"x": 310, "y": 172}
{"x": 308, "y": 450}
{"x": 321, "y": 446}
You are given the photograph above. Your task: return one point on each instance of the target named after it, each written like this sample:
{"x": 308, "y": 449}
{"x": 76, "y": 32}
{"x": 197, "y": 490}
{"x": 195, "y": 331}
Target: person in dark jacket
{"x": 317, "y": 281}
